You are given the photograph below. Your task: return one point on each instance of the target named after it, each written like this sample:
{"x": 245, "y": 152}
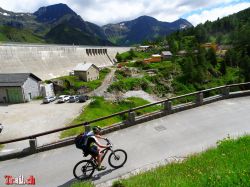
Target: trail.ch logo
{"x": 20, "y": 180}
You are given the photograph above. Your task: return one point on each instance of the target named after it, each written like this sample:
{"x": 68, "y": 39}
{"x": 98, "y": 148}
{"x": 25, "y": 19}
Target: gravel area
{"x": 141, "y": 94}
{"x": 25, "y": 119}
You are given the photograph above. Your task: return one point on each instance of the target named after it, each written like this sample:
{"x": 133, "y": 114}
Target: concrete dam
{"x": 50, "y": 61}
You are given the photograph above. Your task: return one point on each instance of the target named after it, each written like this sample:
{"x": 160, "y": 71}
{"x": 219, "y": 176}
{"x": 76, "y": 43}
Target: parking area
{"x": 34, "y": 117}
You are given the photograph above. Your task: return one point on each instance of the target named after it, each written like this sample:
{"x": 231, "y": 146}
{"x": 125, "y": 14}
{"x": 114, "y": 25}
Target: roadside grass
{"x": 100, "y": 108}
{"x": 1, "y": 146}
{"x": 83, "y": 184}
{"x": 226, "y": 165}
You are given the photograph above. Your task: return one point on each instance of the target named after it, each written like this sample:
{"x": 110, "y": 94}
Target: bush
{"x": 129, "y": 84}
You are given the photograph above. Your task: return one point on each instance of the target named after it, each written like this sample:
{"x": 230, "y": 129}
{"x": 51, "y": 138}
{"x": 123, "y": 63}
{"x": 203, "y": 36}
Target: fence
{"x": 192, "y": 100}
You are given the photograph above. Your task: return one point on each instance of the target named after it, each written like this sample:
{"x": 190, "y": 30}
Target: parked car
{"x": 49, "y": 99}
{"x": 63, "y": 98}
{"x": 83, "y": 98}
{"x": 73, "y": 98}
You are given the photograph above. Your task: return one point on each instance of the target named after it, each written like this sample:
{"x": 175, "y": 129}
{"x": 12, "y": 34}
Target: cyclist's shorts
{"x": 93, "y": 150}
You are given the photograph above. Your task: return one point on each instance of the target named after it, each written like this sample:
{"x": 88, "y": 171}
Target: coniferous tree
{"x": 245, "y": 68}
{"x": 173, "y": 45}
{"x": 211, "y": 57}
{"x": 118, "y": 57}
{"x": 223, "y": 67}
{"x": 188, "y": 69}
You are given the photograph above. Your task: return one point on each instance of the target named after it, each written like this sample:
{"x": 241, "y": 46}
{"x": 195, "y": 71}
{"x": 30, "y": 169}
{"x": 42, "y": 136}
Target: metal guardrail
{"x": 225, "y": 91}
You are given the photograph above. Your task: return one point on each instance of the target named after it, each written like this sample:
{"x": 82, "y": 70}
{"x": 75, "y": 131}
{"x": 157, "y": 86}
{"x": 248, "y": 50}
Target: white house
{"x": 87, "y": 72}
{"x": 18, "y": 87}
{"x": 166, "y": 54}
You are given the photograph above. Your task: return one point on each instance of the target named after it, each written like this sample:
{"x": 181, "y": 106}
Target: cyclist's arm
{"x": 100, "y": 145}
{"x": 100, "y": 137}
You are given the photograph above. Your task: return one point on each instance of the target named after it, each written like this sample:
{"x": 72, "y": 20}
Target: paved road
{"x": 179, "y": 134}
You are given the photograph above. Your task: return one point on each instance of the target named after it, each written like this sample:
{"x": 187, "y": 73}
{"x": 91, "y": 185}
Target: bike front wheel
{"x": 84, "y": 169}
{"x": 117, "y": 158}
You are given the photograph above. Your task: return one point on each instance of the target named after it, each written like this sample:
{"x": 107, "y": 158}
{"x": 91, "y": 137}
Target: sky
{"x": 102, "y": 12}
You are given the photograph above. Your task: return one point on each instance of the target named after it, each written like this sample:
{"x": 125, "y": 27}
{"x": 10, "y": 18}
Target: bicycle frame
{"x": 104, "y": 151}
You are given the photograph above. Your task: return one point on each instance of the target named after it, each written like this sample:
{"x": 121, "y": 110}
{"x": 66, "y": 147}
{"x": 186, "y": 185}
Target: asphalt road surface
{"x": 175, "y": 135}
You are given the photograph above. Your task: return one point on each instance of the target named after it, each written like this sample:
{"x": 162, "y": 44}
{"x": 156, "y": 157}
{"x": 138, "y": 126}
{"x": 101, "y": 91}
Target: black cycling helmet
{"x": 96, "y": 129}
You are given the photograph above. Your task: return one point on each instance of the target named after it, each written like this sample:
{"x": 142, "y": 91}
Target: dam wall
{"x": 50, "y": 61}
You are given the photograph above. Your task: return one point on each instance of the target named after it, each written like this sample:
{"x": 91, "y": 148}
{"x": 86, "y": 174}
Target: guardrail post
{"x": 225, "y": 92}
{"x": 33, "y": 145}
{"x": 199, "y": 99}
{"x": 167, "y": 107}
{"x": 131, "y": 118}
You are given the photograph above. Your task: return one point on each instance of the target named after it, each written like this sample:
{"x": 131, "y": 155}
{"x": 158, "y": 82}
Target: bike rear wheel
{"x": 117, "y": 158}
{"x": 84, "y": 169}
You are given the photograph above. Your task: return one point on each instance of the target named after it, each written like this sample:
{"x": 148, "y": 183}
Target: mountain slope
{"x": 142, "y": 28}
{"x": 60, "y": 24}
{"x": 66, "y": 34}
{"x": 52, "y": 24}
{"x": 53, "y": 13}
{"x": 69, "y": 28}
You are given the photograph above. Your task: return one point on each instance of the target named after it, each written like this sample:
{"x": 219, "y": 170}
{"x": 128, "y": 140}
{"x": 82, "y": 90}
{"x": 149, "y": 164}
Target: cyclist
{"x": 93, "y": 146}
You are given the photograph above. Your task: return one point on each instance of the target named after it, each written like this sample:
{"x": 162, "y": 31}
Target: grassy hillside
{"x": 174, "y": 78}
{"x": 226, "y": 165}
{"x": 10, "y": 34}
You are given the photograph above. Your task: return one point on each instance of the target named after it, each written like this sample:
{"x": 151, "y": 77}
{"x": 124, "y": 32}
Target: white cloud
{"x": 216, "y": 13}
{"x": 113, "y": 11}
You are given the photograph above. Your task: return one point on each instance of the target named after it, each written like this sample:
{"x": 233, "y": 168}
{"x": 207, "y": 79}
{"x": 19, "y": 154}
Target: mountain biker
{"x": 93, "y": 146}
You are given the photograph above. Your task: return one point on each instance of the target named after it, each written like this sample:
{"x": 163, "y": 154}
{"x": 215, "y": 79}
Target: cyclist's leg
{"x": 99, "y": 157}
{"x": 95, "y": 153}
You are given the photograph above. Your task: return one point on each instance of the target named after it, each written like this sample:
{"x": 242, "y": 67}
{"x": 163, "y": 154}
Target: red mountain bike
{"x": 85, "y": 168}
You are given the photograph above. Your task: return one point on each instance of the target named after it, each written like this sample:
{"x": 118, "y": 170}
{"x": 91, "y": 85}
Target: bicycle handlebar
{"x": 108, "y": 142}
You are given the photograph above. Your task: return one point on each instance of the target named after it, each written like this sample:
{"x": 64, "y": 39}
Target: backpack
{"x": 81, "y": 141}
